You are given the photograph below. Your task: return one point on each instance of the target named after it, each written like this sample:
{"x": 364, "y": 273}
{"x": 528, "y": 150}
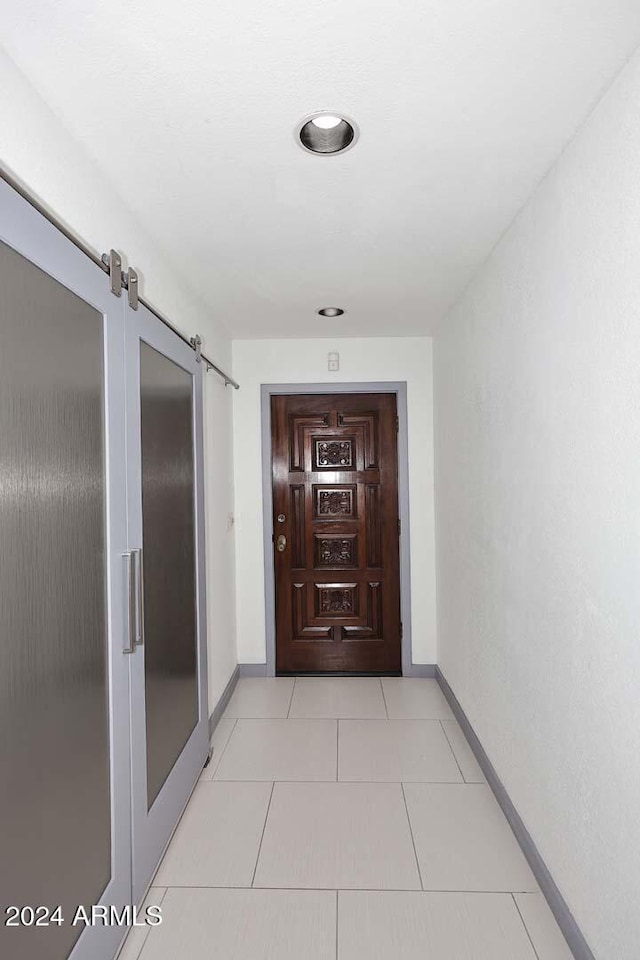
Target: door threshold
{"x": 338, "y": 673}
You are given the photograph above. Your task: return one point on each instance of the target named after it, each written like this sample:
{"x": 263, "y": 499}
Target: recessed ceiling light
{"x": 331, "y": 312}
{"x": 326, "y": 134}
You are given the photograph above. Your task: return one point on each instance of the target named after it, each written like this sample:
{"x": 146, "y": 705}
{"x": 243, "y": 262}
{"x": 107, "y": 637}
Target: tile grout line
{"x": 148, "y": 929}
{"x": 386, "y": 708}
{"x": 464, "y": 779}
{"x": 224, "y": 749}
{"x": 264, "y": 827}
{"x": 428, "y": 890}
{"x": 337, "y": 748}
{"x": 415, "y": 852}
{"x": 533, "y": 946}
{"x": 371, "y": 783}
{"x": 293, "y": 690}
{"x": 337, "y": 908}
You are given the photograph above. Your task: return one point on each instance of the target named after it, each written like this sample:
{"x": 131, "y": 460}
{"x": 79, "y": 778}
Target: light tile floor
{"x": 344, "y": 819}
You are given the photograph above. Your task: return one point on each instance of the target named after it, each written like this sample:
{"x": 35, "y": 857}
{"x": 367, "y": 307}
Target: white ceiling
{"x": 191, "y": 107}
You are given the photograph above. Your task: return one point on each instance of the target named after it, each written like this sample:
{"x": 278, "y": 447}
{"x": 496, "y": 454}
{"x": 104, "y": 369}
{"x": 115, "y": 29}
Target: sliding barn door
{"x": 64, "y": 679}
{"x": 166, "y": 562}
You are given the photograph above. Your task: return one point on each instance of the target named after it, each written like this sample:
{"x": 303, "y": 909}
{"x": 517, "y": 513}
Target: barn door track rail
{"x": 111, "y": 263}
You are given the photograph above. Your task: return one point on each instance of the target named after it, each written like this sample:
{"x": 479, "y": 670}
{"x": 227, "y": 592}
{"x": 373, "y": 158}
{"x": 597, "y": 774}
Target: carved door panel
{"x": 335, "y": 523}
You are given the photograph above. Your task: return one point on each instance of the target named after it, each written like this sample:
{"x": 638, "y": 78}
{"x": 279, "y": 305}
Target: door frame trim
{"x": 399, "y": 388}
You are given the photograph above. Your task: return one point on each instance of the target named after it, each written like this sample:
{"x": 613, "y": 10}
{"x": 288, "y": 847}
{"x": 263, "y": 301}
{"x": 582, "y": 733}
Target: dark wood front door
{"x": 336, "y": 533}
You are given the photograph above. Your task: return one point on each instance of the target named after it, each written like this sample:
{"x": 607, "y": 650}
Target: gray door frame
{"x": 267, "y": 390}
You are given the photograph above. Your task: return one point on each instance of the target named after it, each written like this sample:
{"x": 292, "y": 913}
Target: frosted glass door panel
{"x": 168, "y": 670}
{"x": 169, "y": 568}
{"x": 55, "y": 809}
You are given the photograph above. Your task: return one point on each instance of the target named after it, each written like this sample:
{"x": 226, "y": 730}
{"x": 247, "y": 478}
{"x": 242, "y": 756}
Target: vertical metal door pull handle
{"x": 131, "y": 604}
{"x": 139, "y": 589}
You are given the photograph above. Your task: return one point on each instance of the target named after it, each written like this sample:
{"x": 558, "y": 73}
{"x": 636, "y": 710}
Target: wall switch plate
{"x": 334, "y": 361}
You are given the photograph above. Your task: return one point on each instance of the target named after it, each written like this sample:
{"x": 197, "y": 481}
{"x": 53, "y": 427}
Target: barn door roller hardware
{"x": 111, "y": 263}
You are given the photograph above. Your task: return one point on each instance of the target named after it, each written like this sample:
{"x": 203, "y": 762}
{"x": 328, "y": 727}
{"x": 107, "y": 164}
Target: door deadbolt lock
{"x": 281, "y": 518}
{"x": 281, "y": 543}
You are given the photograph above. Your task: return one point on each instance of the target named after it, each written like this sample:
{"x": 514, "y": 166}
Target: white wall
{"x": 305, "y": 361}
{"x": 537, "y": 432}
{"x": 39, "y": 152}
